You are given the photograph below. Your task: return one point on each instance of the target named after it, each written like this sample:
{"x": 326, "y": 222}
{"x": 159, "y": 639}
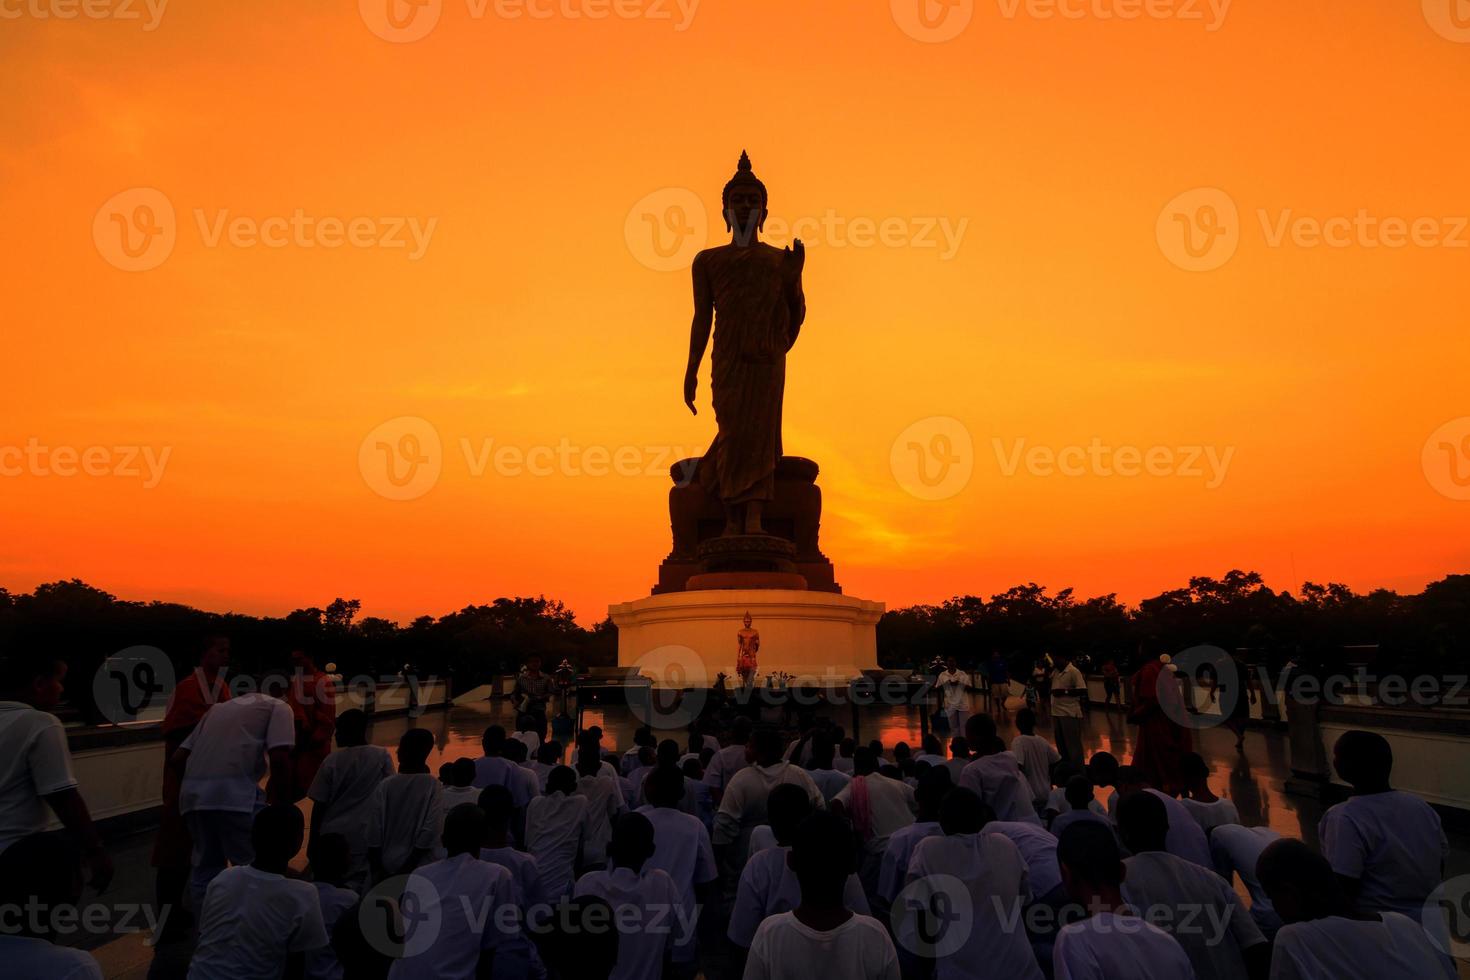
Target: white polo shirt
{"x": 1118, "y": 947}
{"x": 786, "y": 949}
{"x": 34, "y": 762}
{"x": 251, "y": 921}
{"x": 643, "y": 906}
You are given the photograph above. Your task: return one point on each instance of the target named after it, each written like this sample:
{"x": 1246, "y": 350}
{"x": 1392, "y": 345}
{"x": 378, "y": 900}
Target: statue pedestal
{"x": 685, "y": 639}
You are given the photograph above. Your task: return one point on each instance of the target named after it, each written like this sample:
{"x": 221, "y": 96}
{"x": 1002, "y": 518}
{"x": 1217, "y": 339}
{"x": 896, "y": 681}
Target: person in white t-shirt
{"x": 822, "y": 936}
{"x": 1192, "y": 903}
{"x": 1207, "y": 809}
{"x": 331, "y": 861}
{"x": 822, "y": 771}
{"x": 235, "y": 743}
{"x": 36, "y": 779}
{"x": 494, "y": 769}
{"x": 768, "y": 884}
{"x": 605, "y": 800}
{"x": 878, "y": 807}
{"x": 1387, "y": 847}
{"x": 496, "y": 847}
{"x": 1081, "y": 805}
{"x": 42, "y": 872}
{"x": 842, "y": 761}
{"x": 1323, "y": 936}
{"x": 973, "y": 868}
{"x": 954, "y": 694}
{"x": 1035, "y": 754}
{"x": 465, "y": 923}
{"x": 1068, "y": 689}
{"x": 342, "y": 792}
{"x": 647, "y": 907}
{"x": 1112, "y": 943}
{"x": 556, "y": 824}
{"x": 743, "y": 804}
{"x": 459, "y": 786}
{"x": 256, "y": 923}
{"x": 682, "y": 849}
{"x": 1237, "y": 850}
{"x": 1186, "y": 838}
{"x": 729, "y": 760}
{"x": 994, "y": 775}
{"x": 406, "y": 817}
{"x": 934, "y": 786}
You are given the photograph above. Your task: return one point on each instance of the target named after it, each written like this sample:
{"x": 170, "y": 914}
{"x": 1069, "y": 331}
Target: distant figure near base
{"x": 749, "y": 641}
{"x": 755, "y": 289}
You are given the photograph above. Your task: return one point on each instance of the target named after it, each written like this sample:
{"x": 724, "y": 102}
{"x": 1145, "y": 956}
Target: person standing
{"x": 1068, "y": 688}
{"x": 1000, "y": 685}
{"x": 312, "y": 698}
{"x": 1162, "y": 742}
{"x": 532, "y": 694}
{"x": 234, "y": 744}
{"x": 172, "y": 849}
{"x": 954, "y": 690}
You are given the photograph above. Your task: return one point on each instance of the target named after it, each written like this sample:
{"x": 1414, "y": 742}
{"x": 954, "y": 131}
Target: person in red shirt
{"x": 172, "y": 849}
{"x": 312, "y": 698}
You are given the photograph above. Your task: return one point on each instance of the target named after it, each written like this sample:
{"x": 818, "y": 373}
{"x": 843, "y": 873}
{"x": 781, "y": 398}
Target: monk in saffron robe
{"x": 173, "y": 848}
{"x": 750, "y": 293}
{"x": 1162, "y": 742}
{"x": 312, "y": 698}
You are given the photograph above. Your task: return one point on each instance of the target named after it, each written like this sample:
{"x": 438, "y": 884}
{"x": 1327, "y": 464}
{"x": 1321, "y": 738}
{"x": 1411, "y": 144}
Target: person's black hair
{"x": 632, "y": 840}
{"x": 276, "y": 833}
{"x": 493, "y": 741}
{"x": 1079, "y": 792}
{"x": 767, "y": 744}
{"x": 864, "y": 761}
{"x": 580, "y": 940}
{"x": 787, "y": 806}
{"x": 1143, "y": 821}
{"x": 959, "y": 746}
{"x": 589, "y": 760}
{"x": 19, "y": 669}
{"x": 667, "y": 753}
{"x": 934, "y": 785}
{"x": 901, "y": 751}
{"x": 416, "y": 744}
{"x": 561, "y": 779}
{"x": 963, "y": 812}
{"x": 462, "y": 772}
{"x": 692, "y": 769}
{"x": 1364, "y": 759}
{"x": 331, "y": 858}
{"x": 464, "y": 829}
{"x": 1026, "y": 721}
{"x": 1102, "y": 768}
{"x": 497, "y": 803}
{"x": 1192, "y": 766}
{"x": 352, "y": 727}
{"x": 1290, "y": 864}
{"x": 515, "y": 750}
{"x": 643, "y": 735}
{"x": 823, "y": 854}
{"x": 664, "y": 786}
{"x": 979, "y": 730}
{"x": 822, "y": 751}
{"x": 549, "y": 754}
{"x": 932, "y": 745}
{"x": 1063, "y": 771}
{"x": 846, "y": 747}
{"x": 740, "y": 730}
{"x": 1089, "y": 852}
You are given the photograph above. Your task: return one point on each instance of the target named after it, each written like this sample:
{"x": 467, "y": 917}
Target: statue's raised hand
{"x": 691, "y": 385}
{"x": 796, "y": 256}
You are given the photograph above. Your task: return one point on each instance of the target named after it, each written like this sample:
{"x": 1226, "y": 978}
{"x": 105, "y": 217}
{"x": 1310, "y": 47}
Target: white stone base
{"x": 685, "y": 639}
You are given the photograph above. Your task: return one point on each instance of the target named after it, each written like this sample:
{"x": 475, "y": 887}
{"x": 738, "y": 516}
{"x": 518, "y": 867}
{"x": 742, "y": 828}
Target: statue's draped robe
{"x": 747, "y": 287}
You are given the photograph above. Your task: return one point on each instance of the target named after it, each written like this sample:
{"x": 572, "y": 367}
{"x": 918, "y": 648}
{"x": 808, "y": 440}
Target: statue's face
{"x": 747, "y": 620}
{"x": 745, "y": 211}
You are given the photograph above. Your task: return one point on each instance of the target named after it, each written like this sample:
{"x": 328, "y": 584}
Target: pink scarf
{"x": 860, "y": 808}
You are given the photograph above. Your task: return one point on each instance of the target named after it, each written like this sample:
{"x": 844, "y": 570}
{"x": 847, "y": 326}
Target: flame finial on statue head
{"x": 744, "y": 175}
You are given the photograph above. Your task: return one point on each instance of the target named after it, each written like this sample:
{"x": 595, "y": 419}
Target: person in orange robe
{"x": 1162, "y": 742}
{"x": 173, "y": 848}
{"x": 313, "y": 701}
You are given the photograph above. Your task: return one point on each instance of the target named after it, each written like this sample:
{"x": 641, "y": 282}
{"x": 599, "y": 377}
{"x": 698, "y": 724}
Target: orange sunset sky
{"x": 537, "y": 155}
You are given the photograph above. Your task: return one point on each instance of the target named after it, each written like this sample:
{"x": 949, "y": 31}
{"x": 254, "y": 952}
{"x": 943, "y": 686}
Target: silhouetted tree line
{"x": 86, "y": 625}
{"x": 1323, "y": 627}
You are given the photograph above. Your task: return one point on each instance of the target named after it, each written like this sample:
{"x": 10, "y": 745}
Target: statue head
{"x": 747, "y": 620}
{"x": 744, "y": 201}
